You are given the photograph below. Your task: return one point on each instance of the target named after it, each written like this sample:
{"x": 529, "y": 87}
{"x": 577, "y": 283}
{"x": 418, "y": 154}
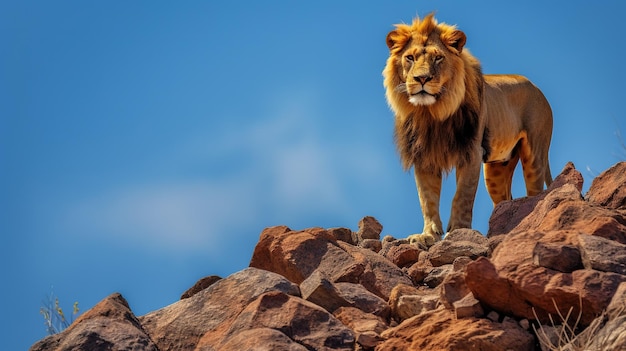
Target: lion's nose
{"x": 423, "y": 78}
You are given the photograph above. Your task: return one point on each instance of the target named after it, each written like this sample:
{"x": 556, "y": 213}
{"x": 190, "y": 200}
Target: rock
{"x": 467, "y": 307}
{"x": 261, "y": 339}
{"x": 465, "y": 234}
{"x": 437, "y": 275}
{"x": 420, "y": 270}
{"x": 603, "y": 254}
{"x": 493, "y": 316}
{"x": 200, "y": 285}
{"x": 511, "y": 282}
{"x": 366, "y": 326}
{"x": 109, "y": 325}
{"x": 359, "y": 297}
{"x": 508, "y": 214}
{"x": 439, "y": 330}
{"x": 446, "y": 251}
{"x": 413, "y": 305}
{"x": 407, "y": 301}
{"x": 297, "y": 254}
{"x": 518, "y": 290}
{"x": 320, "y": 291}
{"x": 205, "y": 316}
{"x": 303, "y": 322}
{"x": 562, "y": 258}
{"x": 342, "y": 234}
{"x": 547, "y": 256}
{"x": 453, "y": 288}
{"x": 609, "y": 188}
{"x": 371, "y": 244}
{"x": 402, "y": 255}
{"x": 369, "y": 228}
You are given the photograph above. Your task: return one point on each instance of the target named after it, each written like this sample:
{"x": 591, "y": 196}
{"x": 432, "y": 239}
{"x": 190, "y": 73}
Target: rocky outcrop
{"x": 567, "y": 253}
{"x": 546, "y": 257}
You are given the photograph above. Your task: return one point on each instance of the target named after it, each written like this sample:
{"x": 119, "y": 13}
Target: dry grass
{"x": 563, "y": 336}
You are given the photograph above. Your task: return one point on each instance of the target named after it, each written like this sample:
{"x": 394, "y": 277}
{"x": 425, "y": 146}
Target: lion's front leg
{"x": 463, "y": 202}
{"x": 429, "y": 191}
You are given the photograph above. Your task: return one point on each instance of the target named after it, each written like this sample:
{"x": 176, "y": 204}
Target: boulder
{"x": 297, "y": 254}
{"x": 320, "y": 291}
{"x": 608, "y": 189}
{"x": 205, "y": 316}
{"x": 402, "y": 255}
{"x": 200, "y": 285}
{"x": 369, "y": 228}
{"x": 446, "y": 251}
{"x": 110, "y": 325}
{"x": 542, "y": 265}
{"x": 603, "y": 254}
{"x": 508, "y": 214}
{"x": 439, "y": 330}
{"x": 359, "y": 297}
{"x": 301, "y": 321}
{"x": 366, "y": 326}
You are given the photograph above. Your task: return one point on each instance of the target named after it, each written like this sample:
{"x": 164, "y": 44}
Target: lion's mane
{"x": 443, "y": 135}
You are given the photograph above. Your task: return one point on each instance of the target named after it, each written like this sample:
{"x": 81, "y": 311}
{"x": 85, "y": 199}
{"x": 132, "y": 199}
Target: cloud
{"x": 278, "y": 167}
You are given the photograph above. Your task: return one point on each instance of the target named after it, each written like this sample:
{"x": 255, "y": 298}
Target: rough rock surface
{"x": 338, "y": 289}
{"x": 109, "y": 325}
{"x": 536, "y": 269}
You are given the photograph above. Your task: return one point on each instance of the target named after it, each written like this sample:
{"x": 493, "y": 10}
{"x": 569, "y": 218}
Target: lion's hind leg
{"x": 535, "y": 167}
{"x": 499, "y": 178}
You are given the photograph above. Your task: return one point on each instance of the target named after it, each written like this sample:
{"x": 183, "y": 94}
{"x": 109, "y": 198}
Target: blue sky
{"x": 146, "y": 144}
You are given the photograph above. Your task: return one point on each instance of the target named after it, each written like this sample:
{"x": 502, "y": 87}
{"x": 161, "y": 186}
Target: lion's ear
{"x": 455, "y": 39}
{"x": 392, "y": 39}
{"x": 397, "y": 39}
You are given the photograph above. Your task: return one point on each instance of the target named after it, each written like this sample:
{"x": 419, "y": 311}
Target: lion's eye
{"x": 438, "y": 58}
{"x": 410, "y": 58}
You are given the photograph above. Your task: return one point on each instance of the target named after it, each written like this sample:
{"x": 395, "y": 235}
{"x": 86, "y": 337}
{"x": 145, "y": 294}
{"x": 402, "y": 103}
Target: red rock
{"x": 297, "y": 254}
{"x": 403, "y": 255}
{"x": 453, "y": 288}
{"x": 609, "y": 188}
{"x": 467, "y": 307}
{"x": 261, "y": 339}
{"x": 437, "y": 275}
{"x": 109, "y": 325}
{"x": 301, "y": 321}
{"x": 371, "y": 244}
{"x": 446, "y": 251}
{"x": 369, "y": 228}
{"x": 359, "y": 297}
{"x": 366, "y": 326}
{"x": 439, "y": 330}
{"x": 342, "y": 234}
{"x": 320, "y": 291}
{"x": 558, "y": 257}
{"x": 603, "y": 254}
{"x": 209, "y": 313}
{"x": 508, "y": 214}
{"x": 200, "y": 285}
{"x": 520, "y": 286}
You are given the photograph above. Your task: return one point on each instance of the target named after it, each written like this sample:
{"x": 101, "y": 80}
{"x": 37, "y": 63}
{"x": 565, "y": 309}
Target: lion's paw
{"x": 424, "y": 239}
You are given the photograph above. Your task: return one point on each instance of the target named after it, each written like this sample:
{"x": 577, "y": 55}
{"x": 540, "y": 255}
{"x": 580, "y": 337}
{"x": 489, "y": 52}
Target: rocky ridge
{"x": 555, "y": 254}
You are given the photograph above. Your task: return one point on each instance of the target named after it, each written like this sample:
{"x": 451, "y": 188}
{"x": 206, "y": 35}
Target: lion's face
{"x": 425, "y": 72}
{"x": 425, "y": 67}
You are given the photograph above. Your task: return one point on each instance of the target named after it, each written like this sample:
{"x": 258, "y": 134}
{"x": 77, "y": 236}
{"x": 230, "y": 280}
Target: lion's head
{"x": 427, "y": 68}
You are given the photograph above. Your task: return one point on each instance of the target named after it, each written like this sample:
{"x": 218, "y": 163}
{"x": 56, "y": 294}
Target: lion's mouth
{"x": 423, "y": 92}
{"x": 422, "y": 98}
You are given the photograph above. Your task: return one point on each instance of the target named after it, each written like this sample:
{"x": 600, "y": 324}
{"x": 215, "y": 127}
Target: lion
{"x": 449, "y": 115}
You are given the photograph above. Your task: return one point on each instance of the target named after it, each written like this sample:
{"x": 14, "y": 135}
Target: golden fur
{"x": 449, "y": 115}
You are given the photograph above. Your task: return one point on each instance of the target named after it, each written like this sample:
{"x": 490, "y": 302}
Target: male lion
{"x": 448, "y": 114}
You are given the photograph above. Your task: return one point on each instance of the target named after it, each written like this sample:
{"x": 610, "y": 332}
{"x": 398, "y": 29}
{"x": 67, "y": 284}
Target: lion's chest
{"x": 437, "y": 146}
